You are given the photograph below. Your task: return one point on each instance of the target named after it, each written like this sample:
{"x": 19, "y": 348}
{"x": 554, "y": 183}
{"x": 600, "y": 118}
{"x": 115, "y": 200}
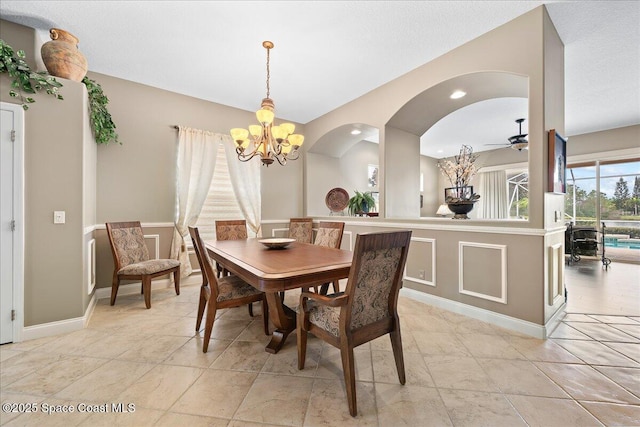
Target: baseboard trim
{"x": 133, "y": 288}
{"x": 555, "y": 320}
{"x": 507, "y": 322}
{"x": 60, "y": 326}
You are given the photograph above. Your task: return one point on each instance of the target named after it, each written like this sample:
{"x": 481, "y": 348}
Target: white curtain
{"x": 245, "y": 178}
{"x": 196, "y": 163}
{"x": 494, "y": 195}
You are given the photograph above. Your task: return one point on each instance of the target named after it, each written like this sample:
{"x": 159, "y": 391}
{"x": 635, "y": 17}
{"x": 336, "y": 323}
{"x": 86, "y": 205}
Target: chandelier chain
{"x": 268, "y": 73}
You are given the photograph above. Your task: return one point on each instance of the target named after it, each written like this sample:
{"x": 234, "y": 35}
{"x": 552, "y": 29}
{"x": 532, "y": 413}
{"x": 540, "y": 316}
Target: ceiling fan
{"x": 517, "y": 142}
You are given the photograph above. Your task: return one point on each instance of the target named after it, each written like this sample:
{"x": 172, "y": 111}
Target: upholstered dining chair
{"x": 329, "y": 234}
{"x": 301, "y": 229}
{"x": 365, "y": 311}
{"x": 222, "y": 292}
{"x": 232, "y": 229}
{"x": 131, "y": 259}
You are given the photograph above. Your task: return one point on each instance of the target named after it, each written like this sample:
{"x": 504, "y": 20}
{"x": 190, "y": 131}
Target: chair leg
{"x": 176, "y": 280}
{"x": 302, "y": 341}
{"x": 114, "y": 287}
{"x": 348, "y": 366}
{"x": 250, "y": 307}
{"x": 324, "y": 289}
{"x": 208, "y": 324}
{"x": 265, "y": 315}
{"x": 146, "y": 288}
{"x": 396, "y": 345}
{"x": 336, "y": 286}
{"x": 205, "y": 294}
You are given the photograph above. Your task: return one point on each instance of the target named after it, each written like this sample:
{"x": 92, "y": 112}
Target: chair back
{"x": 206, "y": 267}
{"x": 329, "y": 234}
{"x": 231, "y": 229}
{"x": 301, "y": 229}
{"x": 375, "y": 277}
{"x": 127, "y": 243}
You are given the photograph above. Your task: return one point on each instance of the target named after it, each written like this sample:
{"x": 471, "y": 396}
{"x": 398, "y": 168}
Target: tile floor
{"x": 460, "y": 372}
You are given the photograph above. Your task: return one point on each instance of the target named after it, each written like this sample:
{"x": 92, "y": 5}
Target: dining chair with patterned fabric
{"x": 301, "y": 229}
{"x": 235, "y": 229}
{"x": 367, "y": 309}
{"x": 232, "y": 229}
{"x": 131, "y": 259}
{"x": 329, "y": 234}
{"x": 222, "y": 292}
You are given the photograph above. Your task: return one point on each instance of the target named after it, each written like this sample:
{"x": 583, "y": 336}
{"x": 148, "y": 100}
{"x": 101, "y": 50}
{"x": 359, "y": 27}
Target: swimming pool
{"x": 621, "y": 242}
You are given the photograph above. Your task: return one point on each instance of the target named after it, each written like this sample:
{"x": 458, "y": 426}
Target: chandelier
{"x": 266, "y": 139}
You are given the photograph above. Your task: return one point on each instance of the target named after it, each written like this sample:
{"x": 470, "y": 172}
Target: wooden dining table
{"x": 299, "y": 265}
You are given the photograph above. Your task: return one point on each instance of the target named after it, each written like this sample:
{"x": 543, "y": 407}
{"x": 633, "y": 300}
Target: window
{"x": 221, "y": 202}
{"x": 603, "y": 191}
{"x": 518, "y": 185}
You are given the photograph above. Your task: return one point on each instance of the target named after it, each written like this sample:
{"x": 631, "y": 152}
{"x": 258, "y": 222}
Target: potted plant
{"x": 459, "y": 171}
{"x": 26, "y": 81}
{"x": 361, "y": 203}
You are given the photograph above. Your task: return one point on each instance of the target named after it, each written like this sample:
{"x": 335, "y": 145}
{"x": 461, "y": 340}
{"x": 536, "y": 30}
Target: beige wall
{"x": 348, "y": 172}
{"x": 607, "y": 140}
{"x": 432, "y": 196}
{"x": 136, "y": 180}
{"x": 54, "y": 154}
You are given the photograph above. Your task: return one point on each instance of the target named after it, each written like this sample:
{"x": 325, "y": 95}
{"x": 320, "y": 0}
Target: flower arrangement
{"x": 459, "y": 172}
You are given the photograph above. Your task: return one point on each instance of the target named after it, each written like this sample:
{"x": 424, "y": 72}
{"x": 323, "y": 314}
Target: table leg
{"x": 283, "y": 318}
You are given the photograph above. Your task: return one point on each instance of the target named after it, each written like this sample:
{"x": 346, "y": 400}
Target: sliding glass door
{"x": 607, "y": 193}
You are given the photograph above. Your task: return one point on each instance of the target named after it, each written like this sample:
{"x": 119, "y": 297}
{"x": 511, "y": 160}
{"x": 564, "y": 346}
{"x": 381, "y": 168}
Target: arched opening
{"x": 433, "y": 126}
{"x": 342, "y": 158}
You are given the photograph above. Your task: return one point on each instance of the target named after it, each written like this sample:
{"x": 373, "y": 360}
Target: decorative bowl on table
{"x": 276, "y": 243}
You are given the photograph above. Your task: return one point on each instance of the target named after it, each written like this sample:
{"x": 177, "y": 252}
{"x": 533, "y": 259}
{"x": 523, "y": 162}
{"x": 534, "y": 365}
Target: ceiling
{"x": 328, "y": 53}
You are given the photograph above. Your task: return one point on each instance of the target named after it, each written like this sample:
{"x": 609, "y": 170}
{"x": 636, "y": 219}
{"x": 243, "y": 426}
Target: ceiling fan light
{"x": 521, "y": 145}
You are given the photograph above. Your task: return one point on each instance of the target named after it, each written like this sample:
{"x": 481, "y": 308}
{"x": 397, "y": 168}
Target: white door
{"x": 11, "y": 276}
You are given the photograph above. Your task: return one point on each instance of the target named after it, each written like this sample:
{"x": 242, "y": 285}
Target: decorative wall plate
{"x": 337, "y": 199}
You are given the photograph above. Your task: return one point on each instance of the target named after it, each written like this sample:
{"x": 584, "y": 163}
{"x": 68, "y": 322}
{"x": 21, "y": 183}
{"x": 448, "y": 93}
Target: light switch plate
{"x": 59, "y": 217}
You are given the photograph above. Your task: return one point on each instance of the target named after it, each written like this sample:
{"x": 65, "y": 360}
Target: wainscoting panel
{"x": 483, "y": 271}
{"x": 421, "y": 261}
{"x": 91, "y": 265}
{"x": 556, "y": 273}
{"x": 154, "y": 248}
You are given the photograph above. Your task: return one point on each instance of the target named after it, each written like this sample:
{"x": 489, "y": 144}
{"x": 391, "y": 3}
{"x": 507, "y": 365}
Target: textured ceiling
{"x": 329, "y": 53}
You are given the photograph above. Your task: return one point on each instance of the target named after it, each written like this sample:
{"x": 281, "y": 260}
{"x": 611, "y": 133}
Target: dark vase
{"x": 461, "y": 209}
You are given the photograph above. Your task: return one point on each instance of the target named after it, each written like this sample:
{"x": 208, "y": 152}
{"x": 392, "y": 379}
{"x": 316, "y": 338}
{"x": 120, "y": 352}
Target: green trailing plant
{"x": 25, "y": 81}
{"x": 104, "y": 130}
{"x": 361, "y": 202}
